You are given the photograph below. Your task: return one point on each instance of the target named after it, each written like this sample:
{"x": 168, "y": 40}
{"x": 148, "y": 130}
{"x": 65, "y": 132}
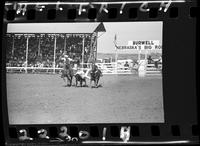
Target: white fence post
{"x": 142, "y": 68}
{"x": 116, "y": 67}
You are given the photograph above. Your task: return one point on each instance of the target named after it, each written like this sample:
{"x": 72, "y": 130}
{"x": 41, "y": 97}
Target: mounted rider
{"x": 94, "y": 68}
{"x": 93, "y": 71}
{"x": 67, "y": 60}
{"x": 66, "y": 64}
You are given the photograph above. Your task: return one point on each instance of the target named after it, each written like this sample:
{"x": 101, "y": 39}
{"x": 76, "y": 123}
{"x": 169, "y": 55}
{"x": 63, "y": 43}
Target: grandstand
{"x": 41, "y": 46}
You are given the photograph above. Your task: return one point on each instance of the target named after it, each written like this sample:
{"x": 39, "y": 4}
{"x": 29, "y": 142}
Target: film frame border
{"x": 170, "y": 123}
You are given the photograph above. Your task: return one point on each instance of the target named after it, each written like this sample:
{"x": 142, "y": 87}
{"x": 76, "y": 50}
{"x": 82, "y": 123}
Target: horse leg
{"x": 85, "y": 83}
{"x": 81, "y": 82}
{"x": 64, "y": 80}
{"x": 96, "y": 83}
{"x": 71, "y": 80}
{"x": 76, "y": 82}
{"x": 68, "y": 81}
{"x": 90, "y": 83}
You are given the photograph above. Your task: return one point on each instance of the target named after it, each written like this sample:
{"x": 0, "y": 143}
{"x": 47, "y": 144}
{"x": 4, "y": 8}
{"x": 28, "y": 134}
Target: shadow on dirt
{"x": 99, "y": 86}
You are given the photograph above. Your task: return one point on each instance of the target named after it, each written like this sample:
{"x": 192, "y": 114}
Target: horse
{"x": 68, "y": 73}
{"x": 95, "y": 76}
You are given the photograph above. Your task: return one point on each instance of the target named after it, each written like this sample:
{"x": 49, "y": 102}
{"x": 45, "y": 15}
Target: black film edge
{"x": 177, "y": 23}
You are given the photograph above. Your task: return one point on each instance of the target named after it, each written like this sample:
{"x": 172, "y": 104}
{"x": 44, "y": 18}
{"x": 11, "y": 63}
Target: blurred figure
{"x": 160, "y": 59}
{"x": 95, "y": 75}
{"x": 126, "y": 65}
{"x": 150, "y": 60}
{"x": 80, "y": 76}
{"x": 94, "y": 67}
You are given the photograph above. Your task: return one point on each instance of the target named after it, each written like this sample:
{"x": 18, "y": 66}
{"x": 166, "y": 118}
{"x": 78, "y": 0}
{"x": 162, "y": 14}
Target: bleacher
{"x": 41, "y": 51}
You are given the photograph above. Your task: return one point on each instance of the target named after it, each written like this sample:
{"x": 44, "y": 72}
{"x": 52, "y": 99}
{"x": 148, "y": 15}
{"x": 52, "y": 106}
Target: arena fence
{"x": 106, "y": 68}
{"x": 152, "y": 70}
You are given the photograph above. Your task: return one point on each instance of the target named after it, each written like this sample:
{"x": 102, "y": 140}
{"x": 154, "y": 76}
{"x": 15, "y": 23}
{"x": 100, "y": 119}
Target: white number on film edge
{"x": 103, "y": 7}
{"x": 64, "y": 134}
{"x": 144, "y": 7}
{"x": 83, "y": 134}
{"x": 43, "y": 133}
{"x": 58, "y": 6}
{"x": 104, "y": 133}
{"x": 24, "y": 136}
{"x": 81, "y": 9}
{"x": 74, "y": 139}
{"x": 125, "y": 133}
{"x": 163, "y": 5}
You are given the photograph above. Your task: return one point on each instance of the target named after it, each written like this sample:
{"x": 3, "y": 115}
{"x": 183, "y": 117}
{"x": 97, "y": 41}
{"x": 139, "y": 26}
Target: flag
{"x": 115, "y": 42}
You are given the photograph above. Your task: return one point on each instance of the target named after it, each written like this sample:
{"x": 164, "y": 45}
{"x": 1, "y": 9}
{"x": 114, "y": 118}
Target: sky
{"x": 127, "y": 31}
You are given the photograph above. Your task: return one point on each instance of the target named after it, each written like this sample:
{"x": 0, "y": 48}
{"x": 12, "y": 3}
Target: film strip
{"x": 134, "y": 134}
{"x": 177, "y": 15}
{"x": 95, "y": 10}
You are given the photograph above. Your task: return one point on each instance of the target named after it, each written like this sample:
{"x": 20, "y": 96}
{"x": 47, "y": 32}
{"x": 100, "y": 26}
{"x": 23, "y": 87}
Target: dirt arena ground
{"x": 41, "y": 98}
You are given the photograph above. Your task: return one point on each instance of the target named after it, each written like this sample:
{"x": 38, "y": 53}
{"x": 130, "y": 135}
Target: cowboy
{"x": 93, "y": 70}
{"x": 81, "y": 73}
{"x": 126, "y": 65}
{"x": 94, "y": 67}
{"x": 150, "y": 60}
{"x": 67, "y": 60}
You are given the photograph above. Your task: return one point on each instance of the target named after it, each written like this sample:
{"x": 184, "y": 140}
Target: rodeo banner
{"x": 142, "y": 45}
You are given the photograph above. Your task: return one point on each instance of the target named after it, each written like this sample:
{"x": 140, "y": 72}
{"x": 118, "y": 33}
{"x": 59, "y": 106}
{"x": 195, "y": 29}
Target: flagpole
{"x": 115, "y": 59}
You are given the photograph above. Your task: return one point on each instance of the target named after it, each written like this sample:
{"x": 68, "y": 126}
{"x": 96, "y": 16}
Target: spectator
{"x": 126, "y": 65}
{"x": 150, "y": 60}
